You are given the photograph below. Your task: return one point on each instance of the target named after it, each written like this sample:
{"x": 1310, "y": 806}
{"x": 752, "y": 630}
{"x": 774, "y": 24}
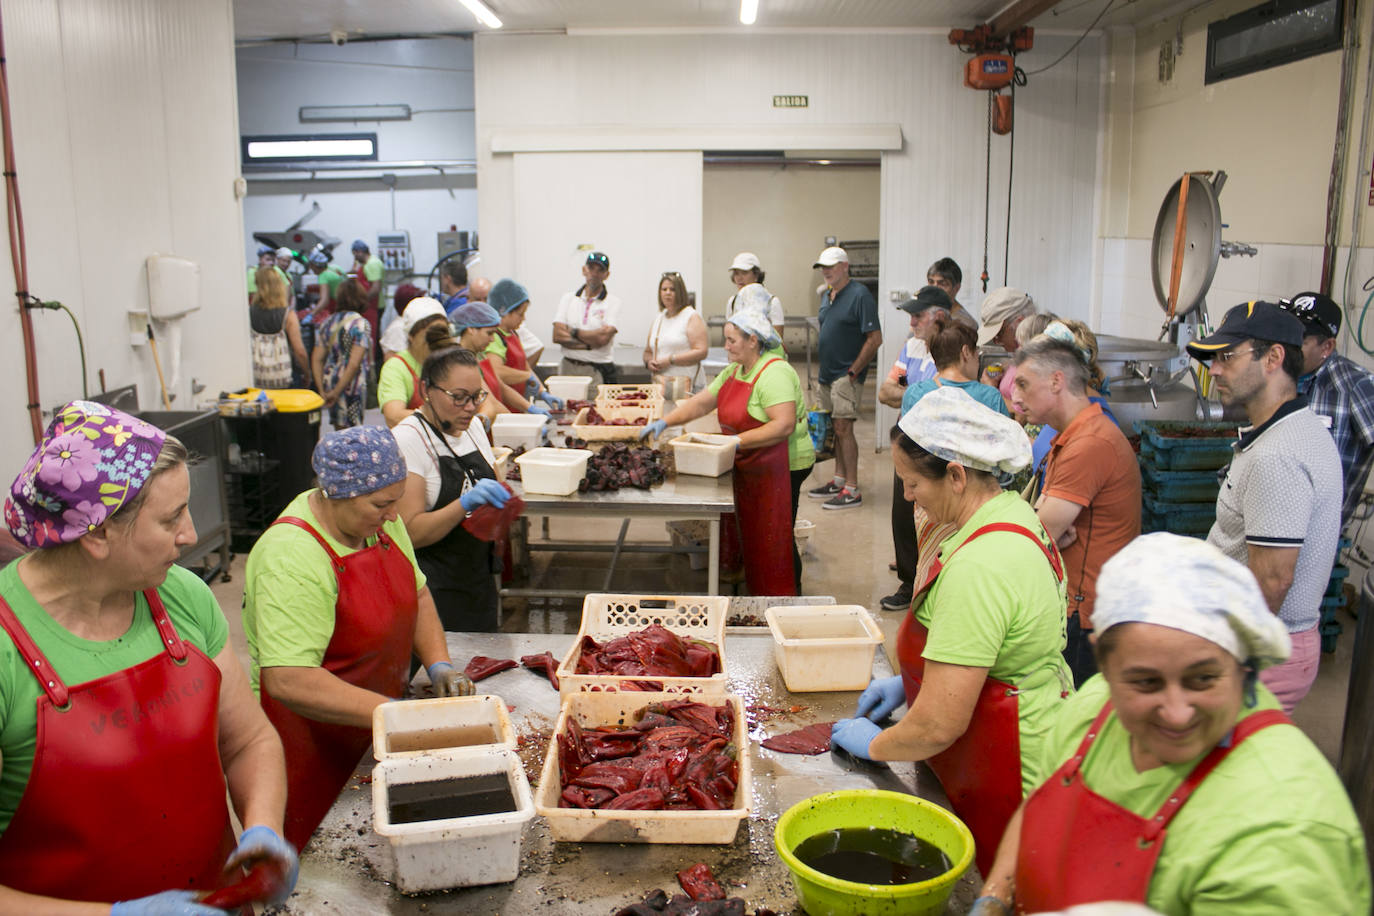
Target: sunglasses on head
{"x": 670, "y": 274}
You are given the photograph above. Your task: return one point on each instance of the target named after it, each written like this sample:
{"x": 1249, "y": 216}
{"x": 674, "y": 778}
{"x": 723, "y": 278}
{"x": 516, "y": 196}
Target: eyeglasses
{"x": 463, "y": 398}
{"x": 1229, "y": 355}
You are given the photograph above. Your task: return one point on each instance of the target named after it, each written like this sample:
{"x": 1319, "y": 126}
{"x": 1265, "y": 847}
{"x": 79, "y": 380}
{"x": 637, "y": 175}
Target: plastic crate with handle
{"x": 1161, "y": 446}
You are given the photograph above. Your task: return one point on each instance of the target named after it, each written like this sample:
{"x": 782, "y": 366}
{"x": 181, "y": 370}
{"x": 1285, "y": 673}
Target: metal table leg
{"x": 615, "y": 555}
{"x": 713, "y": 558}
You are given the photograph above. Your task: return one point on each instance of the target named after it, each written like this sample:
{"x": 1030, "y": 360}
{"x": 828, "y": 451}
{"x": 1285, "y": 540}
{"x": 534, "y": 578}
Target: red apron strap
{"x": 1075, "y": 763}
{"x": 38, "y": 662}
{"x": 1174, "y": 803}
{"x": 1051, "y": 552}
{"x": 170, "y": 638}
{"x": 306, "y": 526}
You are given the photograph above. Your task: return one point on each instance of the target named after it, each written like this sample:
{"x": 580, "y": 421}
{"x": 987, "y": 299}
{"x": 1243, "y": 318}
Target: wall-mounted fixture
{"x": 325, "y": 113}
{"x": 482, "y": 12}
{"x": 309, "y": 148}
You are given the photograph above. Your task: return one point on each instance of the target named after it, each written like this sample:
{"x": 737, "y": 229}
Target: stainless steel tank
{"x": 1148, "y": 380}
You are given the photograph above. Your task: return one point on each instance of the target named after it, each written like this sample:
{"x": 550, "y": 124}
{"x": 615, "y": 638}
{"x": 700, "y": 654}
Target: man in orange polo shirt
{"x": 1090, "y": 503}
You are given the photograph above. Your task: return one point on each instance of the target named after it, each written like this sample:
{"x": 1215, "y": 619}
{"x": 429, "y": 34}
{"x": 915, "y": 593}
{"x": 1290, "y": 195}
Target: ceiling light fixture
{"x": 482, "y": 12}
{"x": 748, "y": 11}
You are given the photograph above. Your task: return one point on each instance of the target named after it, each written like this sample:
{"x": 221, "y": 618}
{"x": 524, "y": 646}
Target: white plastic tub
{"x": 459, "y": 851}
{"x": 519, "y": 430}
{"x": 409, "y": 728}
{"x": 824, "y": 648}
{"x": 579, "y": 825}
{"x": 704, "y": 454}
{"x": 569, "y": 387}
{"x": 552, "y": 471}
{"x": 501, "y": 462}
{"x": 707, "y": 424}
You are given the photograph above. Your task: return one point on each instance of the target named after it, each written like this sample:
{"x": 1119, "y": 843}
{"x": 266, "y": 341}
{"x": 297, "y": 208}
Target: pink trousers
{"x": 1291, "y": 680}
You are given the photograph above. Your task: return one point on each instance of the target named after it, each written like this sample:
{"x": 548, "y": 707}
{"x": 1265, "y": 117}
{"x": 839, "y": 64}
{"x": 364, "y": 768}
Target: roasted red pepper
{"x": 265, "y": 881}
{"x": 545, "y": 664}
{"x": 481, "y": 667}
{"x": 700, "y": 884}
{"x": 813, "y": 739}
{"x": 488, "y": 523}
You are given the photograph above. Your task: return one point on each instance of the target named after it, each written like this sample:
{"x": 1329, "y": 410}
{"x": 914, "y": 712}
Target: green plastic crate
{"x": 1178, "y": 518}
{"x": 1337, "y": 581}
{"x": 1192, "y": 454}
{"x": 1180, "y": 486}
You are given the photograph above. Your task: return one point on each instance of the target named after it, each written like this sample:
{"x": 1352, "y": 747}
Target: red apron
{"x": 126, "y": 796}
{"x": 374, "y": 629}
{"x": 981, "y": 770}
{"x": 763, "y": 499}
{"x": 415, "y": 399}
{"x": 515, "y": 350}
{"x": 1078, "y": 847}
{"x": 494, "y": 384}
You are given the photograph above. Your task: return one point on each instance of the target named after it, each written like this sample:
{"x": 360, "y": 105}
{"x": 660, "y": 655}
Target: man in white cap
{"x": 585, "y": 324}
{"x": 746, "y": 269}
{"x": 850, "y": 335}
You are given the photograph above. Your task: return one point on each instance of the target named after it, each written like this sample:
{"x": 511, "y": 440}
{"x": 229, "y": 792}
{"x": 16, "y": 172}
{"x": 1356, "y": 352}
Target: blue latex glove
{"x": 448, "y": 681}
{"x": 555, "y": 402}
{"x": 881, "y": 697}
{"x": 539, "y": 409}
{"x": 989, "y": 906}
{"x": 263, "y": 843}
{"x": 167, "y": 903}
{"x": 653, "y": 430}
{"x": 486, "y": 492}
{"x": 854, "y": 735}
{"x": 531, "y": 386}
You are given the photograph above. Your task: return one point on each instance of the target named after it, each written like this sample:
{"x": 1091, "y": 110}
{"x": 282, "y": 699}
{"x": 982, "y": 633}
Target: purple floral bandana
{"x": 93, "y": 460}
{"x": 358, "y": 460}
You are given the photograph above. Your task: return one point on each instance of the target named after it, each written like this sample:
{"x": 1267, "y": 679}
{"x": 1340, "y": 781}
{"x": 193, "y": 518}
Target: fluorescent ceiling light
{"x": 482, "y": 12}
{"x": 343, "y": 148}
{"x": 314, "y": 113}
{"x": 748, "y": 11}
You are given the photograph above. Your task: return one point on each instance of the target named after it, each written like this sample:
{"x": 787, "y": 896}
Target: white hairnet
{"x": 951, "y": 425}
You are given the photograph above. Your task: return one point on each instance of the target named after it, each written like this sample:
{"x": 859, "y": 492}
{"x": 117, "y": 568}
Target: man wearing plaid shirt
{"x": 1339, "y": 392}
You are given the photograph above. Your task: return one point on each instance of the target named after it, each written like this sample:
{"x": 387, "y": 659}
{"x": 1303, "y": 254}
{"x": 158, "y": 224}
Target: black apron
{"x": 460, "y": 568}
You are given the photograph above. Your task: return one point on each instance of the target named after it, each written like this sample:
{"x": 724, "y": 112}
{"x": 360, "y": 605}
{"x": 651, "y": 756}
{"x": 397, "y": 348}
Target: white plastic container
{"x": 707, "y": 424}
{"x": 519, "y": 430}
{"x": 824, "y": 648}
{"x": 459, "y": 851}
{"x": 704, "y": 454}
{"x": 569, "y": 387}
{"x": 552, "y": 471}
{"x": 501, "y": 462}
{"x": 579, "y": 825}
{"x": 601, "y": 432}
{"x": 409, "y": 728}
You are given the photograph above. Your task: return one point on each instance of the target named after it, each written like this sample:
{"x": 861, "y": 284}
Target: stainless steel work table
{"x": 684, "y": 498}
{"x": 344, "y": 868}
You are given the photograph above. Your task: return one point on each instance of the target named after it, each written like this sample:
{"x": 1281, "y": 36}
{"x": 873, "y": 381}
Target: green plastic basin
{"x": 822, "y": 895}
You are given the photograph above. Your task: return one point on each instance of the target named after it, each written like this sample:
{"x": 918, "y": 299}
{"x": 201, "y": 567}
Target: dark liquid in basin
{"x": 466, "y": 796}
{"x": 873, "y": 855}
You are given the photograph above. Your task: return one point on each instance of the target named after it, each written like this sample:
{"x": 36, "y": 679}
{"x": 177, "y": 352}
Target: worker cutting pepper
{"x": 1174, "y": 778}
{"x": 981, "y": 668}
{"x": 333, "y": 607}
{"x": 124, "y": 713}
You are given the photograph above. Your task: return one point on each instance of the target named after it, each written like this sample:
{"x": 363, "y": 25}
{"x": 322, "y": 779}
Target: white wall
{"x": 124, "y": 128}
{"x": 932, "y": 188}
{"x": 433, "y": 76}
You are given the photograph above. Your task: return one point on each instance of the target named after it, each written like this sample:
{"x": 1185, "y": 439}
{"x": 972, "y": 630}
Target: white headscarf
{"x": 1189, "y": 585}
{"x": 751, "y": 315}
{"x": 951, "y": 425}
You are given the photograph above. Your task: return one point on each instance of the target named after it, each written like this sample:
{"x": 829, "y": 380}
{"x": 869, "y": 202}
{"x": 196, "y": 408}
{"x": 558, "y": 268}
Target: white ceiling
{"x": 257, "y": 19}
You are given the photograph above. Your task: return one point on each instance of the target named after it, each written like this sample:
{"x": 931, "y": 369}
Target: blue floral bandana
{"x": 358, "y": 460}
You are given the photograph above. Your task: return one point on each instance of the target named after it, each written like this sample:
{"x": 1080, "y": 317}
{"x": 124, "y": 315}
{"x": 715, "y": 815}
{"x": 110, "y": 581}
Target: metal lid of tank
{"x": 1113, "y": 348}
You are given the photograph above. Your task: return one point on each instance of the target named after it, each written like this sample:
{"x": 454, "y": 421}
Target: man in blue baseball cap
{"x": 1279, "y": 509}
{"x": 585, "y": 324}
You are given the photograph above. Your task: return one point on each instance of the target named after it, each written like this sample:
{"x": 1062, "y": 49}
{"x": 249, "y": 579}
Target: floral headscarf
{"x": 356, "y": 461}
{"x": 751, "y": 315}
{"x": 92, "y": 461}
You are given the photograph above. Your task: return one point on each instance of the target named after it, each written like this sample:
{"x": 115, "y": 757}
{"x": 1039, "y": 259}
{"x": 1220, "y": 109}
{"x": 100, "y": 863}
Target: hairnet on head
{"x": 474, "y": 315}
{"x": 507, "y": 296}
{"x": 417, "y": 310}
{"x": 951, "y": 425}
{"x": 357, "y": 461}
{"x": 360, "y": 245}
{"x": 1187, "y": 584}
{"x": 751, "y": 315}
{"x": 319, "y": 259}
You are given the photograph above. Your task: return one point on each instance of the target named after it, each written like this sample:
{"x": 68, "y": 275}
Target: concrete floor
{"x": 847, "y": 557}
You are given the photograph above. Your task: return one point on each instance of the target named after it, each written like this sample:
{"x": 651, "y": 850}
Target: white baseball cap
{"x": 284, "y": 252}
{"x": 745, "y": 260}
{"x": 418, "y": 310}
{"x": 831, "y": 256}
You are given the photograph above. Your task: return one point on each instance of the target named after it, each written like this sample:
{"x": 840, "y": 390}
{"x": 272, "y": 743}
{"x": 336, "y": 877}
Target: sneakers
{"x": 900, "y": 600}
{"x": 824, "y": 492}
{"x": 844, "y": 499}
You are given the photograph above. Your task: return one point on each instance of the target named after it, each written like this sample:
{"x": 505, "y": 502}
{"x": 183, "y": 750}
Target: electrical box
{"x": 173, "y": 286}
{"x": 989, "y": 71}
{"x": 455, "y": 240}
{"x": 393, "y": 247}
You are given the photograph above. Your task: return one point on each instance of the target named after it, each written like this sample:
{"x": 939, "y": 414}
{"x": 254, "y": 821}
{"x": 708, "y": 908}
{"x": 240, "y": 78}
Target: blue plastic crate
{"x": 1171, "y": 453}
{"x": 1335, "y": 585}
{"x": 1180, "y": 486}
{"x": 1178, "y": 518}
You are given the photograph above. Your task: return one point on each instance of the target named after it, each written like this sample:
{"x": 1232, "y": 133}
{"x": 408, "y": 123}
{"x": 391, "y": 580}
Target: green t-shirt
{"x": 497, "y": 347}
{"x": 253, "y": 279}
{"x": 1270, "y": 831}
{"x": 290, "y": 591}
{"x": 330, "y": 278}
{"x": 192, "y": 608}
{"x": 373, "y": 269}
{"x": 778, "y": 385}
{"x": 998, "y": 605}
{"x": 394, "y": 383}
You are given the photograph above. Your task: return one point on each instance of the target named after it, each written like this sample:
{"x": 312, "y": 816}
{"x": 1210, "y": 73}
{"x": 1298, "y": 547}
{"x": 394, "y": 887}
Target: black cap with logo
{"x": 1250, "y": 321}
{"x": 1319, "y": 314}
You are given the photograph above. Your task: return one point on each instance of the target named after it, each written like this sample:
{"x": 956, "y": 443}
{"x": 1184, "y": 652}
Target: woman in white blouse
{"x": 677, "y": 340}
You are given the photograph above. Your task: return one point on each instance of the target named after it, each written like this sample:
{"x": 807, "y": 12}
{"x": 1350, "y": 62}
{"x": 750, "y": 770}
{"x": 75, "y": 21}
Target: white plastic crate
{"x": 602, "y": 433}
{"x": 569, "y": 387}
{"x": 435, "y": 723}
{"x": 704, "y": 454}
{"x": 578, "y": 825}
{"x": 519, "y": 430}
{"x": 459, "y": 851}
{"x": 605, "y": 617}
{"x": 824, "y": 648}
{"x": 611, "y": 396}
{"x": 552, "y": 471}
{"x": 501, "y": 461}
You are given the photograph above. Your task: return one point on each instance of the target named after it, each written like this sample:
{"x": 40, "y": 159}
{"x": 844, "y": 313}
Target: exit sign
{"x": 790, "y": 101}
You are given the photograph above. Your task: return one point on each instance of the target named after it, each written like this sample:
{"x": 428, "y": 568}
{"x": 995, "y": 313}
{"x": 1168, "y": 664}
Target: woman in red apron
{"x": 476, "y": 324}
{"x": 506, "y": 353}
{"x": 333, "y": 608}
{"x": 755, "y": 401}
{"x": 398, "y": 383}
{"x": 1180, "y": 784}
{"x": 980, "y": 659}
{"x": 125, "y": 711}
